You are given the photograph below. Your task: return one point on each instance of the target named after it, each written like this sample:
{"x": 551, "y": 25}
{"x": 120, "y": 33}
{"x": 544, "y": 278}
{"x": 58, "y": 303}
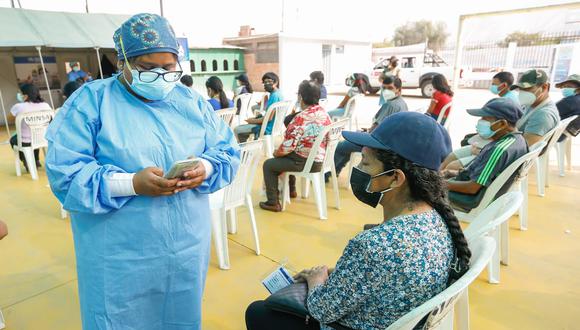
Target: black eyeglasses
{"x": 148, "y": 76}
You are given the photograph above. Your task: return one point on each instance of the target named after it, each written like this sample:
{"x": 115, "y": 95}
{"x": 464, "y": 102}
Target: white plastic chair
{"x": 445, "y": 112}
{"x": 238, "y": 193}
{"x": 38, "y": 122}
{"x": 245, "y": 110}
{"x": 349, "y": 111}
{"x": 323, "y": 103}
{"x": 542, "y": 162}
{"x": 331, "y": 134}
{"x": 2, "y": 324}
{"x": 280, "y": 111}
{"x": 441, "y": 307}
{"x": 494, "y": 221}
{"x": 564, "y": 149}
{"x": 520, "y": 184}
{"x": 227, "y": 115}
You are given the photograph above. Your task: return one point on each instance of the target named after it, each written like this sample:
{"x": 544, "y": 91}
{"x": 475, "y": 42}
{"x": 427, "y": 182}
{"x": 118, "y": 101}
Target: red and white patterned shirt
{"x": 303, "y": 131}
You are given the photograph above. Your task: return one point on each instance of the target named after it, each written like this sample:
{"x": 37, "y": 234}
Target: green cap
{"x": 574, "y": 78}
{"x": 531, "y": 78}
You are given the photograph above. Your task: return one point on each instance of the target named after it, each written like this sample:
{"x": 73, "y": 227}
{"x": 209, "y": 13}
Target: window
{"x": 203, "y": 66}
{"x": 226, "y": 65}
{"x": 192, "y": 65}
{"x": 339, "y": 49}
{"x": 236, "y": 65}
{"x": 267, "y": 52}
{"x": 214, "y": 65}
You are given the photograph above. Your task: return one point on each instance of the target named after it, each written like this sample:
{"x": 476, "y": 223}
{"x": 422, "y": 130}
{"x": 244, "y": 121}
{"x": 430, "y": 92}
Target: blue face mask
{"x": 484, "y": 130}
{"x": 76, "y": 68}
{"x": 494, "y": 89}
{"x": 19, "y": 97}
{"x": 154, "y": 91}
{"x": 568, "y": 91}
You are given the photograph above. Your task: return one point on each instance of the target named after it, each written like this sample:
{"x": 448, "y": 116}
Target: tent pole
{"x": 99, "y": 61}
{"x": 5, "y": 119}
{"x": 45, "y": 77}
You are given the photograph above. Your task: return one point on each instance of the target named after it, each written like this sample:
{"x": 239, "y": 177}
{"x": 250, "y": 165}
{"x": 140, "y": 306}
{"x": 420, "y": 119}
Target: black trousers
{"x": 259, "y": 317}
{"x": 14, "y": 141}
{"x": 273, "y": 167}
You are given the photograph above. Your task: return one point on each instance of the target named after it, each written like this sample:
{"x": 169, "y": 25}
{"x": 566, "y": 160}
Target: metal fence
{"x": 530, "y": 50}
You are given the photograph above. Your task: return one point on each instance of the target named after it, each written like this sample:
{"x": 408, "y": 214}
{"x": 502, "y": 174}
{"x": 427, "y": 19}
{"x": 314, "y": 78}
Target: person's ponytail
{"x": 428, "y": 186}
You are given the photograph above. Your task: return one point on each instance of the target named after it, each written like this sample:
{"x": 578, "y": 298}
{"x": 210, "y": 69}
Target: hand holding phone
{"x": 179, "y": 168}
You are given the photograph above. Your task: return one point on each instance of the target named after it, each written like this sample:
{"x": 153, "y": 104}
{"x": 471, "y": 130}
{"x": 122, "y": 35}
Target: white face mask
{"x": 388, "y": 94}
{"x": 526, "y": 98}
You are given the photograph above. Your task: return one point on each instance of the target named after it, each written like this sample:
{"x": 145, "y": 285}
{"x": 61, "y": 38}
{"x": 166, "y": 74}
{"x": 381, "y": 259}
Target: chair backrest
{"x": 494, "y": 215}
{"x": 323, "y": 103}
{"x": 245, "y": 110}
{"x": 522, "y": 164}
{"x": 331, "y": 134}
{"x": 557, "y": 132}
{"x": 280, "y": 110}
{"x": 445, "y": 113}
{"x": 351, "y": 105}
{"x": 38, "y": 122}
{"x": 250, "y": 155}
{"x": 439, "y": 306}
{"x": 227, "y": 115}
{"x": 259, "y": 97}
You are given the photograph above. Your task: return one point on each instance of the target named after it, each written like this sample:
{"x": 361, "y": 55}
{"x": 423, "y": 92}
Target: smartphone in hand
{"x": 180, "y": 167}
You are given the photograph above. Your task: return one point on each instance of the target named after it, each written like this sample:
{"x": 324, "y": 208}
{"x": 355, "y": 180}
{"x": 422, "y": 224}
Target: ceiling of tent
{"x": 24, "y": 28}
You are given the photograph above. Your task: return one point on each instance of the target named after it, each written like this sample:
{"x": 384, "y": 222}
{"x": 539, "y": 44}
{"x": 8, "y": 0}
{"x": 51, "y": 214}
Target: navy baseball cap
{"x": 411, "y": 135}
{"x": 500, "y": 108}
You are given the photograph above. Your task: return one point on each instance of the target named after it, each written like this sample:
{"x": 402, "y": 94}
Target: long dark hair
{"x": 245, "y": 82}
{"x": 216, "y": 85}
{"x": 440, "y": 83}
{"x": 32, "y": 92}
{"x": 428, "y": 186}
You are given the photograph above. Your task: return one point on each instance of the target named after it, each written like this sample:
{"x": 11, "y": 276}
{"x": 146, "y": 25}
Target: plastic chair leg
{"x": 462, "y": 310}
{"x": 505, "y": 242}
{"x": 540, "y": 177}
{"x": 493, "y": 266}
{"x": 524, "y": 207}
{"x": 63, "y": 212}
{"x": 569, "y": 153}
{"x": 250, "y": 207}
{"x": 231, "y": 222}
{"x": 31, "y": 162}
{"x": 320, "y": 196}
{"x": 17, "y": 163}
{"x": 546, "y": 175}
{"x": 335, "y": 187}
{"x": 561, "y": 149}
{"x": 285, "y": 190}
{"x": 305, "y": 189}
{"x": 220, "y": 238}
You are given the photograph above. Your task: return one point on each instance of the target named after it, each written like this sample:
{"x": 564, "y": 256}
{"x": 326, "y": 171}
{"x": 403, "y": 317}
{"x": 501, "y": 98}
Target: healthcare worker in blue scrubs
{"x": 141, "y": 241}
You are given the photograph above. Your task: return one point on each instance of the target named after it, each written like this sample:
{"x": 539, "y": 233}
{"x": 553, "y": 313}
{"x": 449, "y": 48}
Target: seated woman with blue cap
{"x": 390, "y": 269}
{"x": 141, "y": 239}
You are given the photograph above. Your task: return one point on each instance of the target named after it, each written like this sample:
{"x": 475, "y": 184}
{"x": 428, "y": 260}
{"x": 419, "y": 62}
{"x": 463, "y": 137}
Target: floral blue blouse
{"x": 385, "y": 272}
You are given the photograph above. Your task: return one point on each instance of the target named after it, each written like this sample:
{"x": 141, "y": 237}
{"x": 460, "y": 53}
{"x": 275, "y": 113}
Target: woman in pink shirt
{"x": 29, "y": 100}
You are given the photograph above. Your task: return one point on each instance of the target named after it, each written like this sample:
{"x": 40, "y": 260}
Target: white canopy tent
{"x": 23, "y": 28}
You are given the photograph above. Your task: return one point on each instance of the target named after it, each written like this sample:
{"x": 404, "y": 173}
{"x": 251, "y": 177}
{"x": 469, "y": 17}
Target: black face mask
{"x": 360, "y": 182}
{"x": 269, "y": 88}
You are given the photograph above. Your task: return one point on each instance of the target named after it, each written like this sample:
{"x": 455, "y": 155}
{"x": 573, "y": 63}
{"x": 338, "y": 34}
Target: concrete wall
{"x": 300, "y": 56}
{"x": 220, "y": 55}
{"x": 255, "y": 70}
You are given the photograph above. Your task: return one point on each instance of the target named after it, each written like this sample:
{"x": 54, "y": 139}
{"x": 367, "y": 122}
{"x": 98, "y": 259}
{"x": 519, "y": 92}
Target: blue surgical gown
{"x": 141, "y": 260}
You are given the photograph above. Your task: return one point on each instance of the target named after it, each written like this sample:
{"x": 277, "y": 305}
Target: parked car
{"x": 417, "y": 71}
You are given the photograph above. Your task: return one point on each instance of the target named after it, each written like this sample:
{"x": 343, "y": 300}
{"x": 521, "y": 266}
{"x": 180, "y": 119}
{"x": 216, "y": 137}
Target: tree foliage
{"x": 419, "y": 31}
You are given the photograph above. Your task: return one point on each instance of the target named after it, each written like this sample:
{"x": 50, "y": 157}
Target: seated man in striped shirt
{"x": 497, "y": 123}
